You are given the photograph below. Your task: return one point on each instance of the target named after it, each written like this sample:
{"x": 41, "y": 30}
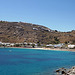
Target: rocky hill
{"x": 27, "y": 32}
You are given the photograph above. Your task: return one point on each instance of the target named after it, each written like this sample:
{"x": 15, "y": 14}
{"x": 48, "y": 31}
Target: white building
{"x": 71, "y": 46}
{"x": 0, "y": 43}
{"x": 5, "y": 43}
{"x": 50, "y": 45}
{"x": 12, "y": 44}
{"x": 35, "y": 29}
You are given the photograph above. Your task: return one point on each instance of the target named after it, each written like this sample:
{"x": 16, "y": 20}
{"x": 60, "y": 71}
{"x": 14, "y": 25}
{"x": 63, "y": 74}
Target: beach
{"x": 56, "y": 49}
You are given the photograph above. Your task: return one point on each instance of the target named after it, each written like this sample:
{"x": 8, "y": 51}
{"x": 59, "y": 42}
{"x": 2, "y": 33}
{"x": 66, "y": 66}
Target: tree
{"x": 66, "y": 42}
{"x": 17, "y": 45}
{"x": 56, "y": 31}
{"x": 56, "y": 40}
{"x": 33, "y": 45}
{"x": 38, "y": 43}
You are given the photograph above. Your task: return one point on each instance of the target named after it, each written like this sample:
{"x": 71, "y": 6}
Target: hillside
{"x": 27, "y": 32}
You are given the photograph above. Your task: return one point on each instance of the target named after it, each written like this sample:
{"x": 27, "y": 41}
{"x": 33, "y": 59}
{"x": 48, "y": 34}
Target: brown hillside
{"x": 27, "y": 32}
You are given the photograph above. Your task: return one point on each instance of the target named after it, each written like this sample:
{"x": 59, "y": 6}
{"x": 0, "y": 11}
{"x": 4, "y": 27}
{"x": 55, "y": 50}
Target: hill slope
{"x": 20, "y": 32}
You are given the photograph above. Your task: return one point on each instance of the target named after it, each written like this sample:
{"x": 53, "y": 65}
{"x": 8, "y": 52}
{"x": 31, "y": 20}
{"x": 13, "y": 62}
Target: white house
{"x": 35, "y": 29}
{"x": 5, "y": 43}
{"x": 0, "y": 43}
{"x": 71, "y": 46}
{"x": 50, "y": 45}
{"x": 12, "y": 44}
{"x": 59, "y": 45}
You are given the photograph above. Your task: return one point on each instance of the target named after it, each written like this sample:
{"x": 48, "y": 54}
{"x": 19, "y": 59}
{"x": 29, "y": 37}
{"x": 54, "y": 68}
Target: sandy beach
{"x": 56, "y": 49}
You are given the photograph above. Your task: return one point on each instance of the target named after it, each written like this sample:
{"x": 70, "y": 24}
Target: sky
{"x": 54, "y": 14}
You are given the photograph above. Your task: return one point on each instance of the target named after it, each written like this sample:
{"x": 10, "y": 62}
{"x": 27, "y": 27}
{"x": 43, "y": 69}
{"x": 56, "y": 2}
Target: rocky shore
{"x": 64, "y": 71}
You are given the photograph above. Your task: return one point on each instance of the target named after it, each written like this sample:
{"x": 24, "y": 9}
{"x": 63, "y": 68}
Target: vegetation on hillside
{"x": 18, "y": 32}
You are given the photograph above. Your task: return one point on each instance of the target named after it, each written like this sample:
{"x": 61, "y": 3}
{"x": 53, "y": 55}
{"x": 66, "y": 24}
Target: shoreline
{"x": 55, "y": 49}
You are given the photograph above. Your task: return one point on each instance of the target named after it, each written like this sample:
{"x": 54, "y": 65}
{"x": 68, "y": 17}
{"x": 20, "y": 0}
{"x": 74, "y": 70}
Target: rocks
{"x": 63, "y": 71}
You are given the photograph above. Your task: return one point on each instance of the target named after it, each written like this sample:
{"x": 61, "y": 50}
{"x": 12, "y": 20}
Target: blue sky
{"x": 54, "y": 14}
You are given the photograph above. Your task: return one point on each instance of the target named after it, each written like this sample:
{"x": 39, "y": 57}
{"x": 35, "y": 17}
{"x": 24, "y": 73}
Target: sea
{"x": 18, "y": 61}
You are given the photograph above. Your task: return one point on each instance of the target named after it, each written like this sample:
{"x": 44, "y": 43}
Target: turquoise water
{"x": 16, "y": 61}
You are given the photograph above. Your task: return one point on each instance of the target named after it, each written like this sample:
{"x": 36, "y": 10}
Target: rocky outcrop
{"x": 64, "y": 71}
